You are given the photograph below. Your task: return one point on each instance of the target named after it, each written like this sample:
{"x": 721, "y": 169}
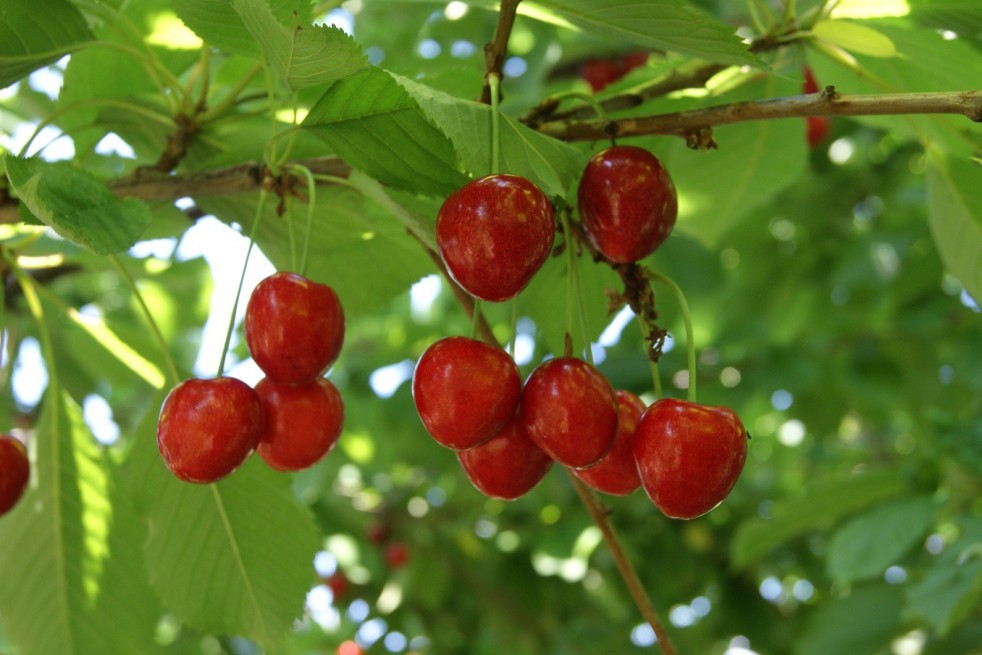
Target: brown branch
{"x": 827, "y": 103}
{"x": 601, "y": 517}
{"x": 495, "y": 50}
{"x": 153, "y": 186}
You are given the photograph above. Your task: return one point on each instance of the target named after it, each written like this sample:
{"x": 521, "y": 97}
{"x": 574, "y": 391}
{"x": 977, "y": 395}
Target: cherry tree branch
{"x": 601, "y": 517}
{"x": 695, "y": 122}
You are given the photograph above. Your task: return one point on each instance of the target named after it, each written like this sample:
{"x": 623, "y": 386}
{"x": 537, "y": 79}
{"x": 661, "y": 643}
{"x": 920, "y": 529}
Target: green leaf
{"x": 76, "y": 205}
{"x": 850, "y": 624}
{"x": 303, "y": 56}
{"x": 955, "y": 214}
{"x": 30, "y": 38}
{"x": 855, "y": 37}
{"x": 218, "y": 23}
{"x": 70, "y": 551}
{"x": 820, "y": 506}
{"x": 551, "y": 164}
{"x": 376, "y": 126}
{"x": 234, "y": 557}
{"x": 868, "y": 544}
{"x": 952, "y": 586}
{"x": 755, "y": 161}
{"x": 670, "y": 25}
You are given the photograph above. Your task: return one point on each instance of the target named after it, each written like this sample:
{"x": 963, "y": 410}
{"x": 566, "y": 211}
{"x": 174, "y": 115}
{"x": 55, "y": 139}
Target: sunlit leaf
{"x": 955, "y": 211}
{"x": 855, "y": 37}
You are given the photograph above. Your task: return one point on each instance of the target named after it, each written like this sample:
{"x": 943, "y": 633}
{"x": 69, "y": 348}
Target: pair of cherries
{"x": 506, "y": 436}
{"x": 294, "y": 328}
{"x": 495, "y": 232}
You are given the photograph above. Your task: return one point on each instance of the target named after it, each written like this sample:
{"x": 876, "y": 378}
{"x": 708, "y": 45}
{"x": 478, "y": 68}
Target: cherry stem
{"x": 475, "y": 318}
{"x": 646, "y": 338}
{"x": 601, "y": 518}
{"x": 292, "y": 235}
{"x": 494, "y": 84}
{"x": 260, "y": 206}
{"x": 574, "y": 299}
{"x": 513, "y": 344}
{"x": 311, "y": 206}
{"x": 687, "y": 319}
{"x": 158, "y": 336}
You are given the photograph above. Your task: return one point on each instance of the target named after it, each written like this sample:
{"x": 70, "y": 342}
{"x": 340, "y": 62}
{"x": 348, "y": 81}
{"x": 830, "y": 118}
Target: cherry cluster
{"x": 294, "y": 328}
{"x": 15, "y": 471}
{"x": 493, "y": 235}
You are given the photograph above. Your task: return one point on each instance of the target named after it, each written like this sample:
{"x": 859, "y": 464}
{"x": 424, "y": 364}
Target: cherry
{"x": 509, "y": 465}
{"x": 628, "y": 203}
{"x": 349, "y": 648}
{"x": 570, "y": 411}
{"x": 617, "y": 472}
{"x": 301, "y": 422}
{"x": 465, "y": 391}
{"x": 207, "y": 428}
{"x": 689, "y": 455}
{"x": 396, "y": 555}
{"x": 818, "y": 126}
{"x": 494, "y": 233}
{"x": 294, "y": 327}
{"x": 599, "y": 73}
{"x": 15, "y": 471}
{"x": 338, "y": 583}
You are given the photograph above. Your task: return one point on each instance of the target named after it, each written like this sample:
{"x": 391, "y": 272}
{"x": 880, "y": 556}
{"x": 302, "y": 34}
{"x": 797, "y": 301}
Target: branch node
{"x": 701, "y": 138}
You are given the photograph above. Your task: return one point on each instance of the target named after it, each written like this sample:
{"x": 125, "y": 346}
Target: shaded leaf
{"x": 870, "y": 543}
{"x": 820, "y": 506}
{"x": 551, "y": 164}
{"x": 663, "y": 24}
{"x": 848, "y": 625}
{"x": 303, "y": 56}
{"x": 376, "y": 126}
{"x": 30, "y": 39}
{"x": 217, "y": 22}
{"x": 76, "y": 205}
{"x": 955, "y": 212}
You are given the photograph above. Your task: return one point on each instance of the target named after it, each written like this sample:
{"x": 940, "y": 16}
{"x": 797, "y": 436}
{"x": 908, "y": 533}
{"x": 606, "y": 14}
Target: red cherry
{"x": 465, "y": 391}
{"x": 599, "y": 73}
{"x": 689, "y": 455}
{"x": 396, "y": 555}
{"x": 633, "y": 60}
{"x": 338, "y": 583}
{"x": 349, "y": 648}
{"x": 509, "y": 465}
{"x": 301, "y": 422}
{"x": 294, "y": 327}
{"x": 378, "y": 533}
{"x": 207, "y": 428}
{"x": 15, "y": 471}
{"x": 617, "y": 472}
{"x": 494, "y": 233}
{"x": 818, "y": 126}
{"x": 628, "y": 203}
{"x": 570, "y": 411}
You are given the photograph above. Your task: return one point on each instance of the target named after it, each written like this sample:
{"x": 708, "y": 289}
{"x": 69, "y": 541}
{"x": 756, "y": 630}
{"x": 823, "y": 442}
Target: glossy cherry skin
{"x": 509, "y": 465}
{"x": 301, "y": 422}
{"x": 494, "y": 233}
{"x": 617, "y": 472}
{"x": 15, "y": 471}
{"x": 207, "y": 428}
{"x": 689, "y": 455}
{"x": 570, "y": 411}
{"x": 627, "y": 202}
{"x": 465, "y": 391}
{"x": 294, "y": 327}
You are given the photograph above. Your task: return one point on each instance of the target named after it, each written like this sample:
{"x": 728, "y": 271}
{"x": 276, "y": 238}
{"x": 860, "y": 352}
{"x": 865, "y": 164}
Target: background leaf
{"x": 956, "y": 218}
{"x": 866, "y": 545}
{"x": 217, "y": 22}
